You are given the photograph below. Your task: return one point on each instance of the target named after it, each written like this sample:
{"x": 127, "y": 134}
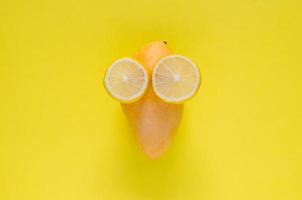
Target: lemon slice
{"x": 175, "y": 79}
{"x": 126, "y": 80}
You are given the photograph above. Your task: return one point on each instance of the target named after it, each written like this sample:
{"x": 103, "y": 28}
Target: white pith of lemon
{"x": 126, "y": 80}
{"x": 175, "y": 79}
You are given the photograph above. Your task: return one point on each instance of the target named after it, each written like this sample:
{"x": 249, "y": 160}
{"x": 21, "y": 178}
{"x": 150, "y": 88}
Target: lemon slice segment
{"x": 175, "y": 79}
{"x": 126, "y": 80}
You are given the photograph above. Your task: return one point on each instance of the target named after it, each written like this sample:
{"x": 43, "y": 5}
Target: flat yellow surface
{"x": 63, "y": 138}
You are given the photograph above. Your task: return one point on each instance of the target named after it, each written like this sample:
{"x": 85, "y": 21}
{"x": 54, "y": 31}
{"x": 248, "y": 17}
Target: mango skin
{"x": 153, "y": 120}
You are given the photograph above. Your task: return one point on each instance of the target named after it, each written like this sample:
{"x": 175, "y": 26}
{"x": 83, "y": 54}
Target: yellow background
{"x": 62, "y": 137}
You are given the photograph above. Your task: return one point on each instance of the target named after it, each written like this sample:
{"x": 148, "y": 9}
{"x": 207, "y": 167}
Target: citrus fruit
{"x": 126, "y": 80}
{"x": 175, "y": 78}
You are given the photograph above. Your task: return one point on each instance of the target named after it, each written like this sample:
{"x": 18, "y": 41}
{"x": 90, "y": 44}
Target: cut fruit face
{"x": 126, "y": 80}
{"x": 175, "y": 79}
